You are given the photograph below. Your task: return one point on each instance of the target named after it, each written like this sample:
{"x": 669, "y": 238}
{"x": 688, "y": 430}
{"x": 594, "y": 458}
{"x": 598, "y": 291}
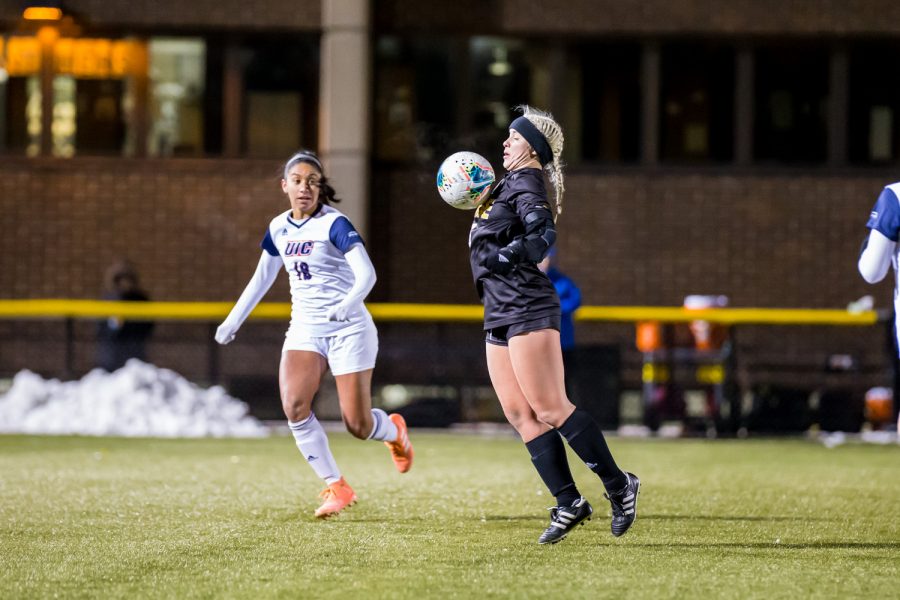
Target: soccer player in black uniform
{"x": 513, "y": 230}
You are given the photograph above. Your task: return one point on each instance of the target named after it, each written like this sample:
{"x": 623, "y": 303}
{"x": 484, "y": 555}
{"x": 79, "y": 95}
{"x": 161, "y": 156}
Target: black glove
{"x": 501, "y": 263}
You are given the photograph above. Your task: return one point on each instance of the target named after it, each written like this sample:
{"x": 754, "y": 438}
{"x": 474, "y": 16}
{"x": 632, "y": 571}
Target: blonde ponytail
{"x": 553, "y": 133}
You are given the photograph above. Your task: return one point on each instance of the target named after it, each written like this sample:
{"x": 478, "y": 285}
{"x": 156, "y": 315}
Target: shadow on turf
{"x": 533, "y": 517}
{"x": 669, "y": 518}
{"x": 770, "y": 545}
{"x": 501, "y": 518}
{"x": 730, "y": 518}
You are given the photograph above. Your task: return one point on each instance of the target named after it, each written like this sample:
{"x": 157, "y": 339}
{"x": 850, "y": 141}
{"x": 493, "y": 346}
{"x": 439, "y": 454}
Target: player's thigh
{"x": 298, "y": 380}
{"x": 512, "y": 400}
{"x": 353, "y": 352}
{"x": 351, "y": 358}
{"x": 536, "y": 359}
{"x": 355, "y": 397}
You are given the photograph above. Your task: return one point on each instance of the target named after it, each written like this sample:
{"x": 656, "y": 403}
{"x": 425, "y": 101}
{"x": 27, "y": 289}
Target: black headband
{"x": 534, "y": 137}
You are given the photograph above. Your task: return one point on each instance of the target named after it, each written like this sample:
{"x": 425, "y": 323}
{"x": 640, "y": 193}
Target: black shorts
{"x": 499, "y": 336}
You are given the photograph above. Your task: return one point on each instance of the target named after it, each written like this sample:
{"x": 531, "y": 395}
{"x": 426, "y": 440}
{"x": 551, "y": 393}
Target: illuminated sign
{"x": 23, "y": 56}
{"x": 83, "y": 58}
{"x": 42, "y": 13}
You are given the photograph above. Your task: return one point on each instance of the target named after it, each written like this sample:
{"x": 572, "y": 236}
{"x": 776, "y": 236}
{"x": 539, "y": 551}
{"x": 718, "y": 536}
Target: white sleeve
{"x": 875, "y": 260}
{"x": 262, "y": 280}
{"x": 363, "y": 272}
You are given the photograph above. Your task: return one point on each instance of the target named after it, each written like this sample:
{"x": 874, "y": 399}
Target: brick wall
{"x": 651, "y": 237}
{"x": 778, "y": 240}
{"x": 177, "y": 14}
{"x": 192, "y": 227}
{"x": 746, "y": 17}
{"x": 680, "y": 17}
{"x": 629, "y": 17}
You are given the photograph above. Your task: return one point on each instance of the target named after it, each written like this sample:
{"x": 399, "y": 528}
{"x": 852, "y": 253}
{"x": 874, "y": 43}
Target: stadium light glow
{"x": 42, "y": 13}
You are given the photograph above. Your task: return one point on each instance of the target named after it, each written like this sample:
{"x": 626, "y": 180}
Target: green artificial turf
{"x": 109, "y": 517}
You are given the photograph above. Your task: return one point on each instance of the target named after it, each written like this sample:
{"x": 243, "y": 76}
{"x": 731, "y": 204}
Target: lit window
{"x": 415, "y": 99}
{"x": 607, "y": 87}
{"x": 91, "y": 79}
{"x": 177, "y": 84}
{"x": 4, "y": 78}
{"x": 502, "y": 76}
{"x": 791, "y": 89}
{"x": 280, "y": 95}
{"x": 874, "y": 120}
{"x": 697, "y": 103}
{"x": 20, "y": 102}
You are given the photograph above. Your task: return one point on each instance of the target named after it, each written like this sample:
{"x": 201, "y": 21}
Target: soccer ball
{"x": 464, "y": 179}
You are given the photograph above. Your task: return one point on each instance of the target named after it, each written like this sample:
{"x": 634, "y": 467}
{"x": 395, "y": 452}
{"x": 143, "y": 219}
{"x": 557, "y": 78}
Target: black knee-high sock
{"x": 548, "y": 453}
{"x": 586, "y": 439}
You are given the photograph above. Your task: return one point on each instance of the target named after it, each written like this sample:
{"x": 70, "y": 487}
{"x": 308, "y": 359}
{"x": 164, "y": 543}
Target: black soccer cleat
{"x": 564, "y": 518}
{"x": 624, "y": 505}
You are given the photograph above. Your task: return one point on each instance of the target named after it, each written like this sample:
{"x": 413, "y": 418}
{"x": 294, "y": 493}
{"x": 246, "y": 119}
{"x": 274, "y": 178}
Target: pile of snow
{"x": 137, "y": 400}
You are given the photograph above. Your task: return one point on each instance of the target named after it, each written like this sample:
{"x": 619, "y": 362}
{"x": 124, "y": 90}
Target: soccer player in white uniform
{"x": 330, "y": 275}
{"x": 880, "y": 249}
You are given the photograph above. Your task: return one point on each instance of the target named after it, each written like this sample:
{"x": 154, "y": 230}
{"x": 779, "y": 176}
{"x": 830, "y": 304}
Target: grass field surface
{"x": 104, "y": 517}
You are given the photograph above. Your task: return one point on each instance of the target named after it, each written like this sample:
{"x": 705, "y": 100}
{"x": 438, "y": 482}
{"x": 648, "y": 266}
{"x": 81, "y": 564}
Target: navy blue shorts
{"x": 499, "y": 336}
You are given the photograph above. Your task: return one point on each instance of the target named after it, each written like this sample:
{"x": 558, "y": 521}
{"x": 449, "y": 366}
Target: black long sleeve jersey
{"x": 526, "y": 293}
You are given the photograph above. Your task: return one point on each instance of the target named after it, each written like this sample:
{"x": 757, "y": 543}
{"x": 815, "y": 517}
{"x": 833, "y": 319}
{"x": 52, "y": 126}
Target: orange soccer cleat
{"x": 338, "y": 496}
{"x": 401, "y": 449}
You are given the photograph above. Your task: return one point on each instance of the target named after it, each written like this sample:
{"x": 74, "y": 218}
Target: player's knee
{"x": 296, "y": 407}
{"x": 519, "y": 419}
{"x": 296, "y": 412}
{"x": 359, "y": 427}
{"x": 554, "y": 417}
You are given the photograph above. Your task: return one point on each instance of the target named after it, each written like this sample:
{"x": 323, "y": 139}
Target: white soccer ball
{"x": 464, "y": 179}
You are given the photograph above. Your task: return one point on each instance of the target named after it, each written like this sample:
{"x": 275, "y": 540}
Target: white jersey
{"x": 885, "y": 219}
{"x": 312, "y": 250}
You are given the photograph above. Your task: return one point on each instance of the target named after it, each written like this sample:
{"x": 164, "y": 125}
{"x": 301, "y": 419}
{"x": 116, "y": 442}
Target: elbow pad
{"x": 540, "y": 235}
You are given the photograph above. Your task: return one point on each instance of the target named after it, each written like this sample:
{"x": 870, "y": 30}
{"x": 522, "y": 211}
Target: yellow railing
{"x": 213, "y": 311}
